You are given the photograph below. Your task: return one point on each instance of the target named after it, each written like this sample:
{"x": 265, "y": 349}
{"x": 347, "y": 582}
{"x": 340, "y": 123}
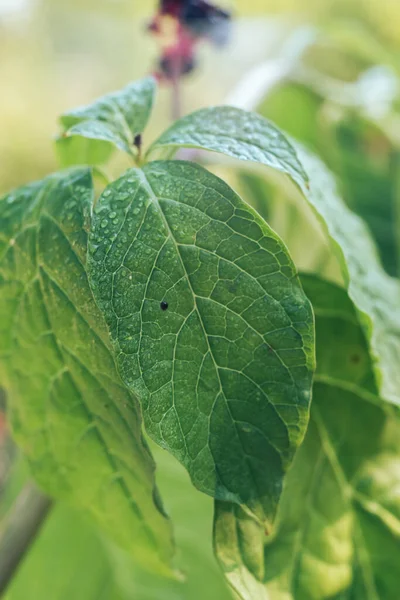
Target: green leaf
{"x": 354, "y": 144}
{"x": 293, "y": 220}
{"x": 91, "y": 132}
{"x": 375, "y": 295}
{"x": 370, "y": 182}
{"x": 78, "y": 426}
{"x": 239, "y": 548}
{"x": 223, "y": 373}
{"x": 79, "y": 150}
{"x": 236, "y": 133}
{"x": 338, "y": 524}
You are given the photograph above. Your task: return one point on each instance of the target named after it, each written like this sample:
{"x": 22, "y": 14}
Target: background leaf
{"x": 79, "y": 428}
{"x": 66, "y": 561}
{"x": 356, "y": 139}
{"x": 69, "y": 559}
{"x": 375, "y": 294}
{"x": 224, "y": 371}
{"x": 338, "y": 525}
{"x": 192, "y": 515}
{"x": 91, "y": 132}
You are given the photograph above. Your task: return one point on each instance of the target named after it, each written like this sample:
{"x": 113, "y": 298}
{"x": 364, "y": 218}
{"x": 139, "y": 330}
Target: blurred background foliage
{"x": 55, "y": 54}
{"x": 339, "y": 94}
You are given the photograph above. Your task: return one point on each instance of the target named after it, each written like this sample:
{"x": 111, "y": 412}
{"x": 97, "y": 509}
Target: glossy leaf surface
{"x": 91, "y": 132}
{"x": 211, "y": 328}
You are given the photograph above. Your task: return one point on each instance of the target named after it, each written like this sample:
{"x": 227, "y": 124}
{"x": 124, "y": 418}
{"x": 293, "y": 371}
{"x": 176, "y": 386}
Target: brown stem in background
{"x": 19, "y": 530}
{"x": 176, "y": 89}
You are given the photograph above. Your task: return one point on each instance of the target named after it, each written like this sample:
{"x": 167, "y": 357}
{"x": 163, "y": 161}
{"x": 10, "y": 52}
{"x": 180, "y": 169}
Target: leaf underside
{"x": 76, "y": 423}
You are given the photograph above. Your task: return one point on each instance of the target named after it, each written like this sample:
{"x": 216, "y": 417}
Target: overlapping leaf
{"x": 338, "y": 526}
{"x": 375, "y": 295}
{"x": 234, "y": 132}
{"x": 211, "y": 328}
{"x": 359, "y": 148}
{"x": 91, "y": 132}
{"x": 76, "y": 423}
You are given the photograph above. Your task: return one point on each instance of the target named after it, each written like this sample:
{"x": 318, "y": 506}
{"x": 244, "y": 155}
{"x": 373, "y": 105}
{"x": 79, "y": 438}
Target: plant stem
{"x": 20, "y": 529}
{"x": 176, "y": 89}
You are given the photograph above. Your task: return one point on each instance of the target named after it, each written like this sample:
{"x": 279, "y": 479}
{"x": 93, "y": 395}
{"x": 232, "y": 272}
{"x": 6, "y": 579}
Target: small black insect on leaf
{"x": 163, "y": 305}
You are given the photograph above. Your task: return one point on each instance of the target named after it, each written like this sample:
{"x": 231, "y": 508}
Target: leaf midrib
{"x": 152, "y": 195}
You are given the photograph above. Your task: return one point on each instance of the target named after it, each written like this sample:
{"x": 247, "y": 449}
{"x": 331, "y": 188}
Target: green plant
{"x": 162, "y": 295}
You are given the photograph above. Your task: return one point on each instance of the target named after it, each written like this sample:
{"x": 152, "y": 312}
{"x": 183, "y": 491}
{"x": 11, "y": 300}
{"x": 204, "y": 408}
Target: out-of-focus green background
{"x": 55, "y": 54}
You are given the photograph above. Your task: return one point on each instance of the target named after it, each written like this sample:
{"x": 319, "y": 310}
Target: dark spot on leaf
{"x": 163, "y": 305}
{"x": 355, "y": 359}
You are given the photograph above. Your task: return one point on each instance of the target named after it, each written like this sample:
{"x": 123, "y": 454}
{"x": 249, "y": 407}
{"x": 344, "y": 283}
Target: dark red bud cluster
{"x": 195, "y": 20}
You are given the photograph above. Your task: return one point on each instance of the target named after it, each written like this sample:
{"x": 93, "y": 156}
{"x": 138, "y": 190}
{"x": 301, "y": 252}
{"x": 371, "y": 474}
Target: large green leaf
{"x": 224, "y": 371}
{"x": 234, "y": 132}
{"x": 91, "y": 132}
{"x": 376, "y": 296}
{"x": 338, "y": 524}
{"x": 76, "y": 423}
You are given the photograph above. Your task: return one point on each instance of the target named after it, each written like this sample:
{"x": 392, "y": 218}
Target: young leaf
{"x": 234, "y": 132}
{"x": 340, "y": 502}
{"x": 349, "y": 145}
{"x": 211, "y": 328}
{"x": 91, "y": 132}
{"x": 78, "y": 426}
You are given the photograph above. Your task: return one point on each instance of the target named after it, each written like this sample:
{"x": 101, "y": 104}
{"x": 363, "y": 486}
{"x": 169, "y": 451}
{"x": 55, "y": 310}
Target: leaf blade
{"x": 236, "y": 133}
{"x": 160, "y": 235}
{"x": 375, "y": 295}
{"x": 225, "y": 129}
{"x": 78, "y": 426}
{"x": 112, "y": 121}
{"x": 326, "y": 537}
